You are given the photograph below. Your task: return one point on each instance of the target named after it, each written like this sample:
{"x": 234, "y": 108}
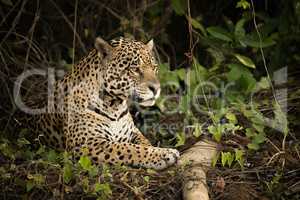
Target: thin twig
{"x": 11, "y": 10}
{"x": 274, "y": 156}
{"x": 15, "y": 22}
{"x": 71, "y": 26}
{"x": 190, "y": 28}
{"x": 113, "y": 13}
{"x": 137, "y": 195}
{"x": 266, "y": 68}
{"x": 31, "y": 32}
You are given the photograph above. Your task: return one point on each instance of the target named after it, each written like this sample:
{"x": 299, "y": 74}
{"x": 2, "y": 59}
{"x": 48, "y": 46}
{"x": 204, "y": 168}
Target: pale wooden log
{"x": 200, "y": 156}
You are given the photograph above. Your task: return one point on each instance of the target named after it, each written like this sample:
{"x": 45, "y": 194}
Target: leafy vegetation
{"x": 228, "y": 71}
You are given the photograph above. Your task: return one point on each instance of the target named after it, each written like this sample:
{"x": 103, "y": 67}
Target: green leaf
{"x": 227, "y": 157}
{"x": 223, "y": 159}
{"x": 216, "y": 131}
{"x": 248, "y": 82}
{"x": 259, "y": 138}
{"x": 219, "y": 33}
{"x": 230, "y": 159}
{"x": 196, "y": 74}
{"x": 151, "y": 171}
{"x": 93, "y": 171}
{"x": 215, "y": 159}
{"x": 239, "y": 157}
{"x": 52, "y": 156}
{"x": 106, "y": 171}
{"x": 41, "y": 150}
{"x": 169, "y": 78}
{"x": 67, "y": 174}
{"x": 85, "y": 183}
{"x": 239, "y": 31}
{"x": 179, "y": 6}
{"x": 181, "y": 73}
{"x": 22, "y": 142}
{"x": 235, "y": 72}
{"x": 71, "y": 52}
{"x": 243, "y": 4}
{"x": 198, "y": 130}
{"x": 242, "y": 78}
{"x": 103, "y": 188}
{"x": 198, "y": 26}
{"x": 85, "y": 162}
{"x": 67, "y": 157}
{"x": 256, "y": 43}
{"x": 146, "y": 179}
{"x": 250, "y": 132}
{"x": 29, "y": 185}
{"x": 217, "y": 55}
{"x": 97, "y": 187}
{"x": 180, "y": 139}
{"x": 264, "y": 83}
{"x": 231, "y": 117}
{"x": 184, "y": 104}
{"x": 238, "y": 154}
{"x": 245, "y": 60}
{"x": 253, "y": 146}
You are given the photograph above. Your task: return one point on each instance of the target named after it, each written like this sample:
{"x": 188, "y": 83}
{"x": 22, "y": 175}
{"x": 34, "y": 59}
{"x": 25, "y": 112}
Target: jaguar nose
{"x": 155, "y": 89}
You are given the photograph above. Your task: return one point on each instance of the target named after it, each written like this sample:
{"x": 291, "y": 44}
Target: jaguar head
{"x": 131, "y": 70}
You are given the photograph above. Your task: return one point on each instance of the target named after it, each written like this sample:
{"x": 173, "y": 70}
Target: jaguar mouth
{"x": 143, "y": 102}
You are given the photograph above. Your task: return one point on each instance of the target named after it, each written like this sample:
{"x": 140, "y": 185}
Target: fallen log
{"x": 199, "y": 157}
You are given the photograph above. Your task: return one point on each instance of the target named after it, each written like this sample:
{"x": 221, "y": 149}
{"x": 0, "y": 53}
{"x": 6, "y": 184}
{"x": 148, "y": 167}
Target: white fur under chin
{"x": 147, "y": 103}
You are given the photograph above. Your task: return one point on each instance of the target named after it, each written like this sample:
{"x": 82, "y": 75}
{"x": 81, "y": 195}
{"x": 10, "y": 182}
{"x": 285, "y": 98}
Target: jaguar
{"x": 88, "y": 109}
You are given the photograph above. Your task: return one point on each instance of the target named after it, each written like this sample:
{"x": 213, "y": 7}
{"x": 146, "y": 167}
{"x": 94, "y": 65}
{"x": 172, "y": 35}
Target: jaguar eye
{"x": 137, "y": 70}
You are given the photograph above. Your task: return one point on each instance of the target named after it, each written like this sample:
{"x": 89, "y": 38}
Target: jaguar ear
{"x": 150, "y": 45}
{"x": 103, "y": 47}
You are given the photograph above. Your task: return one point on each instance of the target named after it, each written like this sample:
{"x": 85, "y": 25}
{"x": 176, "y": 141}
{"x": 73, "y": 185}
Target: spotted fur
{"x": 89, "y": 106}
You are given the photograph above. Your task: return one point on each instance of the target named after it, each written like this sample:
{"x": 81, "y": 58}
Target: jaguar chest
{"x": 120, "y": 130}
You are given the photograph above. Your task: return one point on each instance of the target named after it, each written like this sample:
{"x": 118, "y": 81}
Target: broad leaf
{"x": 180, "y": 139}
{"x": 104, "y": 188}
{"x": 253, "y": 146}
{"x": 67, "y": 174}
{"x": 29, "y": 185}
{"x": 243, "y": 4}
{"x": 235, "y": 72}
{"x": 256, "y": 43}
{"x": 52, "y": 156}
{"x": 219, "y": 33}
{"x": 239, "y": 31}
{"x": 197, "y": 25}
{"x": 231, "y": 117}
{"x": 85, "y": 162}
{"x": 241, "y": 77}
{"x": 259, "y": 138}
{"x": 198, "y": 130}
{"x": 216, "y": 131}
{"x": 245, "y": 60}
